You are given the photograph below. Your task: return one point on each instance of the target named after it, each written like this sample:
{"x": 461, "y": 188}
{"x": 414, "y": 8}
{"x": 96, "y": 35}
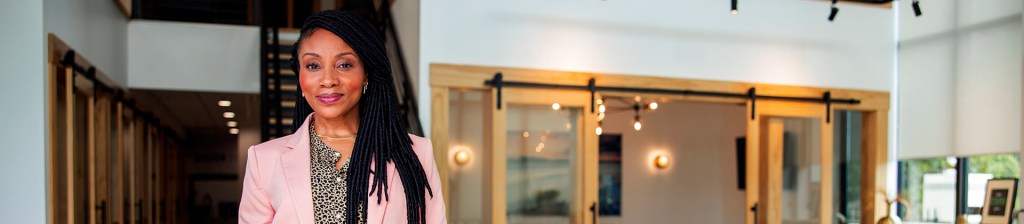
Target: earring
{"x": 364, "y": 87}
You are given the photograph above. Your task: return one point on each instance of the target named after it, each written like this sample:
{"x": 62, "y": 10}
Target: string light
{"x": 636, "y": 123}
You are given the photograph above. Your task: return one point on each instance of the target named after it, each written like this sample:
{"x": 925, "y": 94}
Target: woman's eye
{"x": 312, "y": 66}
{"x": 344, "y": 65}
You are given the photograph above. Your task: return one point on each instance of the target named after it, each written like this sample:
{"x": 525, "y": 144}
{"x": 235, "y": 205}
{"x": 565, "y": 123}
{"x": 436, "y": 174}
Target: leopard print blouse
{"x": 329, "y": 184}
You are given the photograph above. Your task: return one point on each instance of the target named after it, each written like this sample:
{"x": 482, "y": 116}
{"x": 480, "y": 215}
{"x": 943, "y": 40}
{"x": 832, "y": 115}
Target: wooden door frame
{"x": 873, "y": 104}
{"x": 495, "y": 124}
{"x": 755, "y": 146}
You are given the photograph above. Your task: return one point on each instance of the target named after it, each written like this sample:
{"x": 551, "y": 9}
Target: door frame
{"x": 873, "y": 104}
{"x": 756, "y": 129}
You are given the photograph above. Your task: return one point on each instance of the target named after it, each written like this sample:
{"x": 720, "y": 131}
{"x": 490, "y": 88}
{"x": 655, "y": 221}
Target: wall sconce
{"x": 462, "y": 157}
{"x": 662, "y": 161}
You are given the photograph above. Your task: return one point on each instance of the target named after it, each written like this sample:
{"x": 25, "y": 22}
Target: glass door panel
{"x": 541, "y": 152}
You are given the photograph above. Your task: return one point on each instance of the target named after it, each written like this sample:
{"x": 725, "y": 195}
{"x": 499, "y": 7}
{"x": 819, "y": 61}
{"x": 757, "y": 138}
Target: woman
{"x": 350, "y": 161}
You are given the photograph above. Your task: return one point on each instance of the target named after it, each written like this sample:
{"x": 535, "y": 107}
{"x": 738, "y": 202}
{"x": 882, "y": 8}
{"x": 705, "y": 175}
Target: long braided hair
{"x": 382, "y": 137}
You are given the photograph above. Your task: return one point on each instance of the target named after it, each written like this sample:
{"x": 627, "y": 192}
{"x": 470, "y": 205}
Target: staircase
{"x": 279, "y": 86}
{"x": 279, "y": 83}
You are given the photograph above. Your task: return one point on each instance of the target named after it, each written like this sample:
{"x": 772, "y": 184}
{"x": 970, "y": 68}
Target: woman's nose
{"x": 330, "y": 79}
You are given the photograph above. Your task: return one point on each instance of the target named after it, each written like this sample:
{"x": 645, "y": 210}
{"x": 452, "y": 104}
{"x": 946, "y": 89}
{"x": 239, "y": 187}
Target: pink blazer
{"x": 277, "y": 186}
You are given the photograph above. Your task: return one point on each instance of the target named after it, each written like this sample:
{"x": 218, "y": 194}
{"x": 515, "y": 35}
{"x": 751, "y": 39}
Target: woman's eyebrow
{"x": 345, "y": 53}
{"x": 311, "y": 54}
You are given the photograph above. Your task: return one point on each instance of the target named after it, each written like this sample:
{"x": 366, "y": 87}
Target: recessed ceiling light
{"x": 224, "y": 103}
{"x": 229, "y": 114}
{"x": 233, "y": 131}
{"x": 232, "y": 124}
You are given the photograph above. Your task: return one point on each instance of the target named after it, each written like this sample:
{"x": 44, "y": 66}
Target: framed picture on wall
{"x": 1000, "y": 196}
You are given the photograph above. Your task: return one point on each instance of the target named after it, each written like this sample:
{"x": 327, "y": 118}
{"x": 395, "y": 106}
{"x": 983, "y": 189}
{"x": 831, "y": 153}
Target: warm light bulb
{"x": 229, "y": 115}
{"x": 232, "y": 124}
{"x": 601, "y": 108}
{"x": 733, "y": 12}
{"x": 661, "y": 161}
{"x": 556, "y": 106}
{"x": 600, "y": 116}
{"x": 233, "y": 131}
{"x": 598, "y": 130}
{"x": 224, "y": 103}
{"x": 653, "y": 105}
{"x": 637, "y": 125}
{"x": 462, "y": 157}
{"x": 600, "y": 101}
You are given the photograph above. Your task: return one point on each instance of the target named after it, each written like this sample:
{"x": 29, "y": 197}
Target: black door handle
{"x": 102, "y": 210}
{"x": 593, "y": 212}
{"x": 754, "y": 210}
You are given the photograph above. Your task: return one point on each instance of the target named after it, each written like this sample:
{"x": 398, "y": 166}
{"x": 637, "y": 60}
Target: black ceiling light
{"x": 917, "y": 8}
{"x": 734, "y": 11}
{"x": 832, "y": 16}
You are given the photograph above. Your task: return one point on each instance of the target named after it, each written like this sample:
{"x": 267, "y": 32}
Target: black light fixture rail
{"x": 498, "y": 83}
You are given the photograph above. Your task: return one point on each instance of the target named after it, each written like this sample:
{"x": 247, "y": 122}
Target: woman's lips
{"x": 329, "y": 98}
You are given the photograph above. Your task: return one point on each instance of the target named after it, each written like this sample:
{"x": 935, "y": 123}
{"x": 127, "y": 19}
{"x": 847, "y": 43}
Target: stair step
{"x": 283, "y": 56}
{"x": 285, "y": 121}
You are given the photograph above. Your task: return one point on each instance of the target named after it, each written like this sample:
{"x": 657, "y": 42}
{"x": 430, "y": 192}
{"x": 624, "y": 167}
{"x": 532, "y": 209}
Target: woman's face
{"x": 331, "y": 74}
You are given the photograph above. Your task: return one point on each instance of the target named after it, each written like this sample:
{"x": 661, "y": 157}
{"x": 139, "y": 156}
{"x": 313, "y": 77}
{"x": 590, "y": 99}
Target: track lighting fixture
{"x": 734, "y": 11}
{"x": 832, "y": 16}
{"x": 917, "y": 8}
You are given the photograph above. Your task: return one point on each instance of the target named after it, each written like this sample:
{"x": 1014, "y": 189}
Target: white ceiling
{"x": 197, "y": 113}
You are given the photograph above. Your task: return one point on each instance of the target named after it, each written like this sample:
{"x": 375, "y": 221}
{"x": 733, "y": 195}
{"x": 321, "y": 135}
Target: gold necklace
{"x": 336, "y": 138}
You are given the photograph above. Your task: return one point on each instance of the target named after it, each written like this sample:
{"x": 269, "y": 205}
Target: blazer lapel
{"x": 296, "y": 166}
{"x": 375, "y": 212}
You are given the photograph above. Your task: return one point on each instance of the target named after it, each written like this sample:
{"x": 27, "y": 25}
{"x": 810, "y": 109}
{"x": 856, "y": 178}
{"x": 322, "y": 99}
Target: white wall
{"x": 780, "y": 42}
{"x": 700, "y": 184}
{"x": 193, "y": 57}
{"x": 407, "y": 22}
{"x": 960, "y": 78}
{"x": 23, "y": 159}
{"x": 96, "y": 29}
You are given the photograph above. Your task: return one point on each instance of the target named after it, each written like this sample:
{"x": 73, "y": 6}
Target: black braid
{"x": 382, "y": 136}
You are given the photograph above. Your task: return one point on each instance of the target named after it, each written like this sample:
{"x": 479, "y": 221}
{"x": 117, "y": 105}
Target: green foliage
{"x": 1000, "y": 166}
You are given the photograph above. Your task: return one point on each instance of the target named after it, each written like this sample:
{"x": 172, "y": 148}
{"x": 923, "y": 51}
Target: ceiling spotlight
{"x": 233, "y": 131}
{"x": 229, "y": 115}
{"x": 600, "y": 101}
{"x": 734, "y": 11}
{"x": 653, "y": 105}
{"x": 832, "y": 16}
{"x": 556, "y": 106}
{"x": 232, "y": 124}
{"x": 224, "y": 103}
{"x": 601, "y": 108}
{"x": 917, "y": 8}
{"x": 600, "y": 116}
{"x": 599, "y": 130}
